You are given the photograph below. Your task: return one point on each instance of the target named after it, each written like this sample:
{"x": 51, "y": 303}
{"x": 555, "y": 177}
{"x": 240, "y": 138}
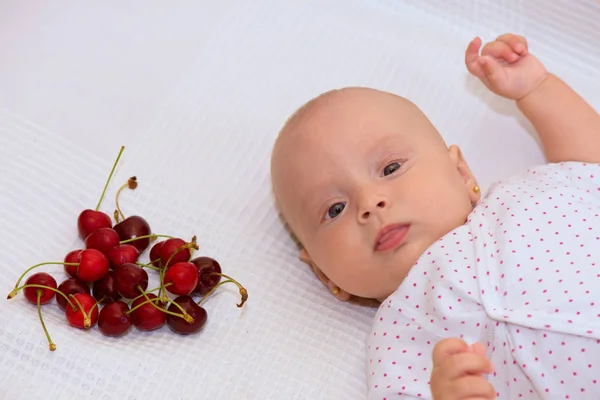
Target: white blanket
{"x": 196, "y": 91}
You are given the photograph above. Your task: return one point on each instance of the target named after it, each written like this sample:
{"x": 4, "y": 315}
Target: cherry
{"x": 104, "y": 290}
{"x": 42, "y": 279}
{"x": 130, "y": 280}
{"x": 102, "y": 240}
{"x": 92, "y": 220}
{"x": 41, "y": 291}
{"x": 183, "y": 276}
{"x": 180, "y": 325}
{"x": 133, "y": 227}
{"x": 171, "y": 252}
{"x": 71, "y": 286}
{"x": 113, "y": 319}
{"x": 84, "y": 312}
{"x": 71, "y": 258}
{"x": 146, "y": 316}
{"x": 93, "y": 265}
{"x": 155, "y": 254}
{"x": 121, "y": 254}
{"x": 206, "y": 266}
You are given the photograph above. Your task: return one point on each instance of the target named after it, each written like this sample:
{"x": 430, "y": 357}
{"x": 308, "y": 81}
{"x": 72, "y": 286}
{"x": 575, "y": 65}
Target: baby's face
{"x": 367, "y": 185}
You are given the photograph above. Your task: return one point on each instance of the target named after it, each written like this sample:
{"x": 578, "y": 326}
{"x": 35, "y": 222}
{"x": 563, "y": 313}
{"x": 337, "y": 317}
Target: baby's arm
{"x": 568, "y": 127}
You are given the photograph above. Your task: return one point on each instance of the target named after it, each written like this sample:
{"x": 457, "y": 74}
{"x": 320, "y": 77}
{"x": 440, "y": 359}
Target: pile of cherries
{"x": 108, "y": 285}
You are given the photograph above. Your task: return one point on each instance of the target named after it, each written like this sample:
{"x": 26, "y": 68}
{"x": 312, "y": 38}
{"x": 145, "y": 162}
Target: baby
{"x": 479, "y": 297}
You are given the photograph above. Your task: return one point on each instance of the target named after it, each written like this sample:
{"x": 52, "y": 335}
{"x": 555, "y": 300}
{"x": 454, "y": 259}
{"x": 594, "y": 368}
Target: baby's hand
{"x": 505, "y": 66}
{"x": 458, "y": 369}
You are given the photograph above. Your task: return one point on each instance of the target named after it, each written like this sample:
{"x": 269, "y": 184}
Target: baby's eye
{"x": 335, "y": 210}
{"x": 391, "y": 168}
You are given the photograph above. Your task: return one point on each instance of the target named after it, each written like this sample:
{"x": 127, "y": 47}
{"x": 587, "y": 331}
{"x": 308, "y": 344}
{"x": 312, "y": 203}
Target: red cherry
{"x": 132, "y": 227}
{"x": 129, "y": 278}
{"x": 102, "y": 240}
{"x": 72, "y": 257}
{"x": 178, "y": 324}
{"x": 147, "y": 317}
{"x": 155, "y": 253}
{"x": 105, "y": 288}
{"x": 114, "y": 320}
{"x": 171, "y": 246}
{"x": 93, "y": 265}
{"x": 121, "y": 254}
{"x": 206, "y": 266}
{"x": 40, "y": 278}
{"x": 90, "y": 221}
{"x": 71, "y": 286}
{"x": 182, "y": 277}
{"x": 89, "y": 306}
{"x": 45, "y": 295}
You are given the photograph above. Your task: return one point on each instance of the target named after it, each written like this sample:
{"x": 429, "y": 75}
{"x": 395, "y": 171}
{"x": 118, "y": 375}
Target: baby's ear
{"x": 337, "y": 292}
{"x": 465, "y": 172}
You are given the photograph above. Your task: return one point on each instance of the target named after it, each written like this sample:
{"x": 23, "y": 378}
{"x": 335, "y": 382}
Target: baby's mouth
{"x": 391, "y": 236}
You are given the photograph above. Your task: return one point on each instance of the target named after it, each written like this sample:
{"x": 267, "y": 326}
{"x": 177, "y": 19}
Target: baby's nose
{"x": 366, "y": 213}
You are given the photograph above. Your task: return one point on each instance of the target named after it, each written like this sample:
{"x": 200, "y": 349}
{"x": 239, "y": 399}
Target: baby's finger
{"x": 471, "y": 56}
{"x": 499, "y": 49}
{"x": 492, "y": 70}
{"x": 516, "y": 42}
{"x": 447, "y": 348}
{"x": 464, "y": 364}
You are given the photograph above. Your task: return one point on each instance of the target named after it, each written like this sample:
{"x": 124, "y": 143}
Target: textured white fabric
{"x": 521, "y": 277}
{"x": 196, "y": 91}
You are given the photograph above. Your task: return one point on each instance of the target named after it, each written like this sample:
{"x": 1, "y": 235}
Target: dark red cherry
{"x": 206, "y": 266}
{"x": 132, "y": 227}
{"x": 178, "y": 324}
{"x": 155, "y": 253}
{"x": 113, "y": 319}
{"x": 71, "y": 286}
{"x": 129, "y": 278}
{"x": 105, "y": 288}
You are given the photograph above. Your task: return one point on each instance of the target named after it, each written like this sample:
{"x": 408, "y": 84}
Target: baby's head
{"x": 366, "y": 184}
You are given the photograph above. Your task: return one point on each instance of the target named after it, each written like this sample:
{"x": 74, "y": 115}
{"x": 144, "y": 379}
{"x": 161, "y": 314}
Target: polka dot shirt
{"x": 522, "y": 276}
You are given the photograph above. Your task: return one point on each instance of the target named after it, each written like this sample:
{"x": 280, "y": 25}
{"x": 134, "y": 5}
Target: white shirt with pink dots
{"x": 522, "y": 276}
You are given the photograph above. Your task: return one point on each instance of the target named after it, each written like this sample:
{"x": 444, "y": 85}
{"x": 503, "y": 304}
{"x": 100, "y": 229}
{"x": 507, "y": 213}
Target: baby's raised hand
{"x": 505, "y": 66}
{"x": 457, "y": 371}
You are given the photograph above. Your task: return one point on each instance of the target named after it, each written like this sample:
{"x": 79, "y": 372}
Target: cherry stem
{"x": 51, "y": 345}
{"x": 39, "y": 265}
{"x": 87, "y": 322}
{"x": 187, "y": 317}
{"x": 14, "y": 292}
{"x": 148, "y": 266}
{"x": 148, "y": 291}
{"x": 243, "y": 291}
{"x": 131, "y": 184}
{"x": 109, "y": 177}
{"x": 151, "y": 237}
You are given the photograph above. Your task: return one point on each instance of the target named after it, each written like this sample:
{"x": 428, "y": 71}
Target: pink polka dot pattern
{"x": 522, "y": 276}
